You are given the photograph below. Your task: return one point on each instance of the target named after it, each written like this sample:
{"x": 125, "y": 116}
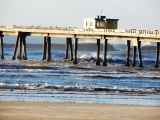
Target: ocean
{"x": 60, "y": 81}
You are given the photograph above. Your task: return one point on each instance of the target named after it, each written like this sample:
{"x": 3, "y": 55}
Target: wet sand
{"x": 75, "y": 111}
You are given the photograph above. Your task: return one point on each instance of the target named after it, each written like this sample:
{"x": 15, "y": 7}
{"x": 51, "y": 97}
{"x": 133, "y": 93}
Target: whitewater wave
{"x": 93, "y": 56}
{"x": 76, "y": 88}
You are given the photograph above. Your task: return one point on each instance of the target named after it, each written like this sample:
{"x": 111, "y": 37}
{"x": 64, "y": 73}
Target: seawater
{"x": 60, "y": 81}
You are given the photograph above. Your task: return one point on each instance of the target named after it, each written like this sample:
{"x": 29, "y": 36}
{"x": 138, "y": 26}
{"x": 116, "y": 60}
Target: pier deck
{"x": 118, "y": 34}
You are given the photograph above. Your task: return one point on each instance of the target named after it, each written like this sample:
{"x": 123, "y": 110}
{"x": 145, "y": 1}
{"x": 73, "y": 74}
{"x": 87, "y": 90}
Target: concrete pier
{"x": 134, "y": 36}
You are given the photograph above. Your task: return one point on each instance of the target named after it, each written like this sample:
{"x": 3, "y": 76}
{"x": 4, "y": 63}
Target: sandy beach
{"x": 75, "y": 111}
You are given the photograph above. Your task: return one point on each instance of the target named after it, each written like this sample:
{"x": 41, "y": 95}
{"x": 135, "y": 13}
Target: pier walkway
{"x": 134, "y": 36}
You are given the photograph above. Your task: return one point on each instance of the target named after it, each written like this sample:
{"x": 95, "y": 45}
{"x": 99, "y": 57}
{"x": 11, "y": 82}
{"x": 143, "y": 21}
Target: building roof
{"x": 108, "y": 19}
{"x": 100, "y": 18}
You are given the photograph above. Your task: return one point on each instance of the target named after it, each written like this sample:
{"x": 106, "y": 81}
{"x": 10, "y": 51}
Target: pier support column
{"x": 24, "y": 47}
{"x": 128, "y": 53}
{"x": 49, "y": 48}
{"x": 67, "y": 44}
{"x": 15, "y": 48}
{"x": 21, "y": 40}
{"x": 139, "y": 53}
{"x": 105, "y": 52}
{"x": 98, "y": 52}
{"x": 75, "y": 50}
{"x": 1, "y": 40}
{"x": 71, "y": 50}
{"x": 134, "y": 56}
{"x": 157, "y": 55}
{"x": 19, "y": 57}
{"x": 44, "y": 48}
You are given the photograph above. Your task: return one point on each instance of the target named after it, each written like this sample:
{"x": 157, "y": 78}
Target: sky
{"x": 132, "y": 14}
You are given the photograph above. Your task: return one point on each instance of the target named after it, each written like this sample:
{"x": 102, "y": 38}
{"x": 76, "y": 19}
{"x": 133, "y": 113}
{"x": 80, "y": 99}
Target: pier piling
{"x": 71, "y": 50}
{"x": 44, "y": 49}
{"x": 128, "y": 53}
{"x": 105, "y": 52}
{"x": 15, "y": 48}
{"x": 134, "y": 56}
{"x": 24, "y": 47}
{"x": 139, "y": 53}
{"x": 157, "y": 55}
{"x": 1, "y": 40}
{"x": 75, "y": 50}
{"x": 19, "y": 57}
{"x": 21, "y": 40}
{"x": 49, "y": 48}
{"x": 67, "y": 44}
{"x": 98, "y": 52}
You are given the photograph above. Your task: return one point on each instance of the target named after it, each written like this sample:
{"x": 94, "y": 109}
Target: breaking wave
{"x": 76, "y": 88}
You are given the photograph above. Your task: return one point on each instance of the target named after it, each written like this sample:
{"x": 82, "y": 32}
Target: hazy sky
{"x": 132, "y": 14}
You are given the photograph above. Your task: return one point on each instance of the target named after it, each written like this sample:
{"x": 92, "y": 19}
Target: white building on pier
{"x": 101, "y": 22}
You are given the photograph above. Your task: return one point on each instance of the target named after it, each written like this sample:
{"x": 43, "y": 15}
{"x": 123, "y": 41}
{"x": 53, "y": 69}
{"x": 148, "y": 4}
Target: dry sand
{"x": 75, "y": 111}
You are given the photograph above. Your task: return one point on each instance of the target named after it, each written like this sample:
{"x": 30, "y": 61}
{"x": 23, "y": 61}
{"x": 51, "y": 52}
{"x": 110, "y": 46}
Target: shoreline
{"x": 10, "y": 110}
